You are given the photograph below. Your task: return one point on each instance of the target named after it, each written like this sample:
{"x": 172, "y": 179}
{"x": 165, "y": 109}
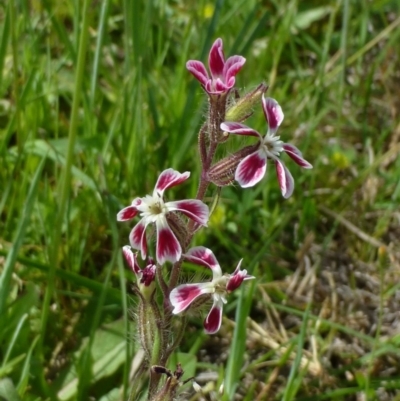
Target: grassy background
{"x": 95, "y": 101}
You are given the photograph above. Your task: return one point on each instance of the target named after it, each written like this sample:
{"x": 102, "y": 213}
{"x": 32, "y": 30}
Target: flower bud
{"x": 145, "y": 277}
{"x": 147, "y": 283}
{"x": 243, "y": 108}
{"x": 148, "y": 313}
{"x": 178, "y": 227}
{"x": 222, "y": 173}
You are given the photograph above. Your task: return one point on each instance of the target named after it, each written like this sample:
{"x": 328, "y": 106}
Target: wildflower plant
{"x": 160, "y": 241}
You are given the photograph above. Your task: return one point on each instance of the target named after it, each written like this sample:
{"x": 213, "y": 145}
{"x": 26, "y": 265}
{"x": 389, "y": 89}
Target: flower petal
{"x": 130, "y": 257}
{"x": 296, "y": 155}
{"x": 137, "y": 238}
{"x": 197, "y": 69}
{"x": 203, "y": 256}
{"x": 273, "y": 113}
{"x": 238, "y": 129}
{"x": 216, "y": 86}
{"x": 216, "y": 59}
{"x": 237, "y": 277}
{"x": 212, "y": 323}
{"x": 251, "y": 169}
{"x": 193, "y": 208}
{"x": 148, "y": 273}
{"x": 168, "y": 179}
{"x": 182, "y": 296}
{"x": 285, "y": 179}
{"x": 128, "y": 213}
{"x": 168, "y": 246}
{"x": 232, "y": 66}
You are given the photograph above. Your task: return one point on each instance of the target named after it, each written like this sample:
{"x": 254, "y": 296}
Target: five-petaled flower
{"x": 153, "y": 209}
{"x": 252, "y": 168}
{"x": 222, "y": 71}
{"x": 221, "y": 285}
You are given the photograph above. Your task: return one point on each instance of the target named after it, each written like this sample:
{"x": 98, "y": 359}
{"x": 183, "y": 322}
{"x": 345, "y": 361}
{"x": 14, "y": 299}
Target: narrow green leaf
{"x": 25, "y": 371}
{"x": 5, "y": 277}
{"x": 294, "y": 376}
{"x": 96, "y": 62}
{"x": 5, "y": 35}
{"x": 14, "y": 339}
{"x": 236, "y": 355}
{"x": 9, "y": 367}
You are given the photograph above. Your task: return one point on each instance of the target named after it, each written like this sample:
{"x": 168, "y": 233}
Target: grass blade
{"x": 5, "y": 277}
{"x": 235, "y": 361}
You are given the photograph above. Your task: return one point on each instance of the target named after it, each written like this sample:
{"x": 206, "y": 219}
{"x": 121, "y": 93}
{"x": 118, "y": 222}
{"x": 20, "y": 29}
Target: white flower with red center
{"x": 154, "y": 210}
{"x": 221, "y": 285}
{"x": 222, "y": 71}
{"x": 252, "y": 168}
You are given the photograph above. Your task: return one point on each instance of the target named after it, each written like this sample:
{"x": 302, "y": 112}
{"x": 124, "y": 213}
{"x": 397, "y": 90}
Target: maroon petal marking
{"x": 296, "y": 155}
{"x": 289, "y": 183}
{"x": 238, "y": 129}
{"x": 208, "y": 87}
{"x": 218, "y": 86}
{"x": 193, "y": 208}
{"x": 203, "y": 256}
{"x": 130, "y": 257}
{"x": 232, "y": 66}
{"x": 273, "y": 113}
{"x": 237, "y": 278}
{"x": 216, "y": 59}
{"x": 148, "y": 273}
{"x": 251, "y": 169}
{"x": 230, "y": 82}
{"x": 168, "y": 246}
{"x": 235, "y": 281}
{"x": 170, "y": 178}
{"x": 137, "y": 238}
{"x": 198, "y": 70}
{"x": 181, "y": 297}
{"x": 127, "y": 213}
{"x": 280, "y": 173}
{"x": 215, "y": 87}
{"x": 285, "y": 179}
{"x": 212, "y": 323}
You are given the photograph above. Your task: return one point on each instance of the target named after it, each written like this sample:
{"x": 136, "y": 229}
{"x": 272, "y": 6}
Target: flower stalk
{"x": 163, "y": 305}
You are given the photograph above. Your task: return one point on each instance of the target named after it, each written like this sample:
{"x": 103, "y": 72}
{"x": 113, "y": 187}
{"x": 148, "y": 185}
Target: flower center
{"x": 152, "y": 208}
{"x": 155, "y": 208}
{"x": 220, "y": 286}
{"x": 272, "y": 145}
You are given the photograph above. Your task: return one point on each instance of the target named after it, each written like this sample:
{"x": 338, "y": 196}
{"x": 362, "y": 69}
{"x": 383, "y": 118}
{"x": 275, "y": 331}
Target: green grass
{"x": 94, "y": 105}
